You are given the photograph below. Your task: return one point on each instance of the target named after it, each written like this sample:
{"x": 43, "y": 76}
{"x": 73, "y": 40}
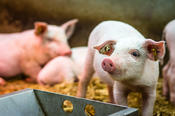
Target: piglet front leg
{"x": 148, "y": 97}
{"x": 169, "y": 80}
{"x": 86, "y": 75}
{"x": 110, "y": 92}
{"x": 165, "y": 80}
{"x": 120, "y": 93}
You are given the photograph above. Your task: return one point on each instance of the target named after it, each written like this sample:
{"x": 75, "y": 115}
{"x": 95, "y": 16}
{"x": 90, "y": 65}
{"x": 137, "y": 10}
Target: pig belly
{"x": 9, "y": 68}
{"x": 9, "y": 59}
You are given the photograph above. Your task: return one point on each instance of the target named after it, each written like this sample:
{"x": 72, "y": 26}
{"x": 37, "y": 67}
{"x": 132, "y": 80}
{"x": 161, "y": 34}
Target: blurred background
{"x": 148, "y": 16}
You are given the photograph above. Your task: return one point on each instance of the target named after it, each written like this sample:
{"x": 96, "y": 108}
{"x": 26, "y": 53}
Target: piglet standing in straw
{"x": 125, "y": 60}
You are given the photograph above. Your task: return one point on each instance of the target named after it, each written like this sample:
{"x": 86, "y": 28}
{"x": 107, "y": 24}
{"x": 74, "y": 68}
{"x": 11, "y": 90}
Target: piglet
{"x": 63, "y": 68}
{"x": 169, "y": 68}
{"x": 125, "y": 60}
{"x": 26, "y": 52}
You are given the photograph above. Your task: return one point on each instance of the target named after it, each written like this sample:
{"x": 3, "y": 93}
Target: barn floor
{"x": 96, "y": 91}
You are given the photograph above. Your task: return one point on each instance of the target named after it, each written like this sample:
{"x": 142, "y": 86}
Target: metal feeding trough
{"x": 31, "y": 102}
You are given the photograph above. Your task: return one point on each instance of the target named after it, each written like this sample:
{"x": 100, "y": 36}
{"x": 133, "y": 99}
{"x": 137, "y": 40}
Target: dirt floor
{"x": 96, "y": 91}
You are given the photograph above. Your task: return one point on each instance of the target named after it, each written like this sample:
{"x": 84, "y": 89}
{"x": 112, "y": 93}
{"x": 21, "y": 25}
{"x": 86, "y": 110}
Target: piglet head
{"x": 155, "y": 50}
{"x": 55, "y": 38}
{"x": 107, "y": 48}
{"x": 108, "y": 64}
{"x": 124, "y": 60}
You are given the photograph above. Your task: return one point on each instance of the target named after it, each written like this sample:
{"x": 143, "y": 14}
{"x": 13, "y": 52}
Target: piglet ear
{"x": 155, "y": 50}
{"x": 69, "y": 27}
{"x": 40, "y": 28}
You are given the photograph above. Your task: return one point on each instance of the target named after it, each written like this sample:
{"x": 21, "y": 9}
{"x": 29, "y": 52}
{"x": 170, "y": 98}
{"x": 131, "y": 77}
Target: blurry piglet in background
{"x": 169, "y": 69}
{"x": 125, "y": 60}
{"x": 26, "y": 52}
{"x": 63, "y": 68}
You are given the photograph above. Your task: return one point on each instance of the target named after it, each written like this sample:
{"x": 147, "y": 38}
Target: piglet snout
{"x": 68, "y": 53}
{"x": 108, "y": 65}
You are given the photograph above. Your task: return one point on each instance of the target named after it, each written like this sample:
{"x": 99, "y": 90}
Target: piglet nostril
{"x": 104, "y": 63}
{"x": 108, "y": 65}
{"x": 111, "y": 65}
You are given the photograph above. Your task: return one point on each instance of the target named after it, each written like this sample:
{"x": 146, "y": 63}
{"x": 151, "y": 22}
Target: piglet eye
{"x": 135, "y": 54}
{"x": 49, "y": 39}
{"x": 106, "y": 48}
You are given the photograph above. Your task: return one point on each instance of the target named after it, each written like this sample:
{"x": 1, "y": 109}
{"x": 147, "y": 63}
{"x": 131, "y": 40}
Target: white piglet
{"x": 63, "y": 68}
{"x": 125, "y": 60}
{"x": 60, "y": 69}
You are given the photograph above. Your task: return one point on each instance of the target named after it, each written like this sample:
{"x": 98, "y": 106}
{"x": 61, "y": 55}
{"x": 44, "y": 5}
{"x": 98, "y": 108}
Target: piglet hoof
{"x": 111, "y": 101}
{"x": 165, "y": 92}
{"x": 76, "y": 79}
{"x": 30, "y": 80}
{"x": 2, "y": 82}
{"x": 172, "y": 99}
